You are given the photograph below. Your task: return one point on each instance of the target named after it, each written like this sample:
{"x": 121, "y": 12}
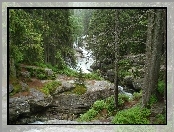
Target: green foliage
{"x": 110, "y": 104}
{"x": 161, "y": 87}
{"x": 80, "y": 77}
{"x": 16, "y": 53}
{"x": 16, "y": 85}
{"x": 79, "y": 89}
{"x": 153, "y": 99}
{"x": 160, "y": 119}
{"x": 137, "y": 95}
{"x": 89, "y": 115}
{"x": 99, "y": 105}
{"x": 134, "y": 115}
{"x": 67, "y": 71}
{"x": 50, "y": 87}
{"x": 92, "y": 76}
{"x": 122, "y": 98}
{"x": 41, "y": 76}
{"x": 36, "y": 72}
{"x": 61, "y": 63}
{"x": 76, "y": 25}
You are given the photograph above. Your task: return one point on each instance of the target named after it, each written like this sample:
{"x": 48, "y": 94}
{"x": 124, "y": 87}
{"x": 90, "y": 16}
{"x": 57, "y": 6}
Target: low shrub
{"x": 137, "y": 95}
{"x": 50, "y": 87}
{"x": 89, "y": 115}
{"x": 134, "y": 115}
{"x": 99, "y": 105}
{"x": 110, "y": 104}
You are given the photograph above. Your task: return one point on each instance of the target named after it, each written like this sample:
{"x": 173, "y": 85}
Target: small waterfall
{"x": 84, "y": 57}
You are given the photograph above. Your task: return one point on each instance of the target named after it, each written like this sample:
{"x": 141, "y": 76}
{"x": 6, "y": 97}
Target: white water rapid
{"x": 84, "y": 57}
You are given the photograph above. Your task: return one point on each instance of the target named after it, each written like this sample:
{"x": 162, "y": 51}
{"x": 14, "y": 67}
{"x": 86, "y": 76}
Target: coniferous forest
{"x": 87, "y": 66}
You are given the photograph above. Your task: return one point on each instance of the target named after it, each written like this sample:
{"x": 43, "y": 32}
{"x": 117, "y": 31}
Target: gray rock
{"x": 17, "y": 106}
{"x": 49, "y": 72}
{"x": 66, "y": 86}
{"x": 79, "y": 50}
{"x": 110, "y": 75}
{"x": 128, "y": 80}
{"x": 24, "y": 86}
{"x": 25, "y": 74}
{"x": 39, "y": 99}
{"x": 138, "y": 83}
{"x": 95, "y": 66}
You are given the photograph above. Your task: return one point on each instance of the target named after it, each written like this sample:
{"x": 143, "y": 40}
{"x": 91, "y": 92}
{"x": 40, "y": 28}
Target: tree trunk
{"x": 153, "y": 55}
{"x": 116, "y": 58}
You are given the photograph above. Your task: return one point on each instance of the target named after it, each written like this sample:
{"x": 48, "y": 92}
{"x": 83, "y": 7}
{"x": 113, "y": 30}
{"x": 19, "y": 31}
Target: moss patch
{"x": 50, "y": 87}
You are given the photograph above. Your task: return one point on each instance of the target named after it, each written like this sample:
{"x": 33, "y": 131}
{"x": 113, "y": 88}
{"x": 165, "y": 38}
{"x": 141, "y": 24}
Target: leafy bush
{"x": 99, "y": 105}
{"x": 110, "y": 103}
{"x": 134, "y": 115}
{"x": 137, "y": 95}
{"x": 50, "y": 87}
{"x": 67, "y": 71}
{"x": 41, "y": 76}
{"x": 161, "y": 87}
{"x": 153, "y": 100}
{"x": 89, "y": 115}
{"x": 124, "y": 97}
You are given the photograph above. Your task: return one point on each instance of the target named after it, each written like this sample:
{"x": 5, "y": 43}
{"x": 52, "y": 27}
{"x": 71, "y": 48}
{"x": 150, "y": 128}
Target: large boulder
{"x": 49, "y": 72}
{"x": 132, "y": 83}
{"x": 95, "y": 66}
{"x": 39, "y": 100}
{"x": 127, "y": 80}
{"x": 138, "y": 84}
{"x": 17, "y": 106}
{"x": 66, "y": 86}
{"x": 26, "y": 106}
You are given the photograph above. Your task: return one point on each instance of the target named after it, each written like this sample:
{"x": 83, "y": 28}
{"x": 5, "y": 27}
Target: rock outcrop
{"x": 60, "y": 105}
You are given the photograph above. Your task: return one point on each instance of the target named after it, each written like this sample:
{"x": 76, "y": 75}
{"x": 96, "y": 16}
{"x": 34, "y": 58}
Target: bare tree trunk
{"x": 146, "y": 90}
{"x": 153, "y": 55}
{"x": 116, "y": 58}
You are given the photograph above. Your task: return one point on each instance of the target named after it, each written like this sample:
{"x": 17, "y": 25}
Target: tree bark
{"x": 116, "y": 58}
{"x": 153, "y": 55}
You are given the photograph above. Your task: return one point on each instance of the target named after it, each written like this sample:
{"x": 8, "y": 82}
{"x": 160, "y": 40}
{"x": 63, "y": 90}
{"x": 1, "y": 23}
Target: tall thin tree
{"x": 116, "y": 44}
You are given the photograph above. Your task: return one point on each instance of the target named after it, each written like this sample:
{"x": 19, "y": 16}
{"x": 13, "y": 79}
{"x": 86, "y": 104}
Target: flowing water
{"x": 84, "y": 58}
